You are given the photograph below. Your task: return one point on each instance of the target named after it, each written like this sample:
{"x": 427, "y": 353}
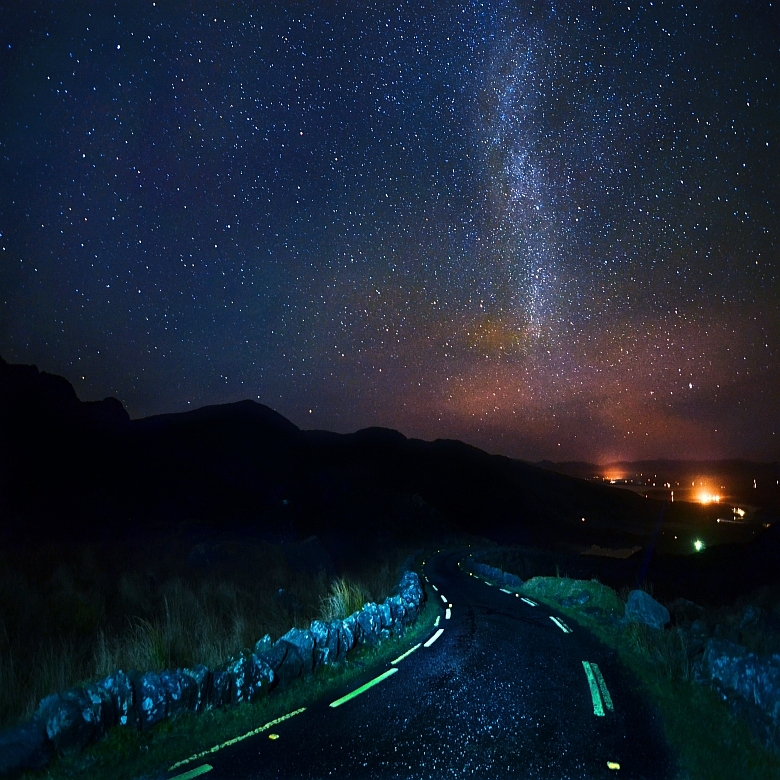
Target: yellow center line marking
{"x": 436, "y": 622}
{"x": 237, "y": 739}
{"x": 434, "y": 587}
{"x": 528, "y": 601}
{"x": 448, "y": 614}
{"x": 613, "y": 765}
{"x": 403, "y": 655}
{"x": 434, "y": 638}
{"x": 364, "y": 688}
{"x": 201, "y": 770}
{"x": 561, "y": 625}
{"x": 602, "y": 687}
{"x": 598, "y": 707}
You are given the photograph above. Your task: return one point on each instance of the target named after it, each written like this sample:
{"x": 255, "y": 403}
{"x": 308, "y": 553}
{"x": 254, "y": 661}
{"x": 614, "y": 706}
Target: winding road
{"x": 503, "y": 688}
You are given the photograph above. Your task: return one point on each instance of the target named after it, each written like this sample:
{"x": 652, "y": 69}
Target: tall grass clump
{"x": 343, "y": 599}
{"x": 666, "y": 650}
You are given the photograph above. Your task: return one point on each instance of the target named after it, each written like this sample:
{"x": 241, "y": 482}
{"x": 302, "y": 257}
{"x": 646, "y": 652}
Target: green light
{"x": 699, "y": 545}
{"x": 363, "y": 688}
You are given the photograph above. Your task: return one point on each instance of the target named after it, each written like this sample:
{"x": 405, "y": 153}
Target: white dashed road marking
{"x": 448, "y": 614}
{"x": 561, "y": 625}
{"x": 504, "y": 590}
{"x": 403, "y": 655}
{"x": 201, "y": 770}
{"x": 528, "y": 601}
{"x": 363, "y": 688}
{"x": 598, "y": 689}
{"x": 602, "y": 687}
{"x": 434, "y": 638}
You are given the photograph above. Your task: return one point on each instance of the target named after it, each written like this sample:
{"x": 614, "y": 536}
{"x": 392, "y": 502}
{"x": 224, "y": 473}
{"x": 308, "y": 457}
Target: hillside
{"x": 70, "y": 467}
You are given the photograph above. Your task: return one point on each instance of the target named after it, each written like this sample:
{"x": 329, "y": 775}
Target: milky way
{"x": 548, "y": 229}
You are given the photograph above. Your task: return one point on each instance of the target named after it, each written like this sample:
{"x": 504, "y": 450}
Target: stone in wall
{"x": 70, "y": 721}
{"x": 120, "y": 691}
{"x": 151, "y": 700}
{"x": 76, "y": 718}
{"x": 201, "y": 680}
{"x": 221, "y": 693}
{"x": 24, "y": 747}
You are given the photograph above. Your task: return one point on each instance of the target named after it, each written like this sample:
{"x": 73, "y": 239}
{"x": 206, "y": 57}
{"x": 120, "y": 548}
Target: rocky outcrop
{"x": 755, "y": 678}
{"x": 70, "y": 721}
{"x": 642, "y": 608}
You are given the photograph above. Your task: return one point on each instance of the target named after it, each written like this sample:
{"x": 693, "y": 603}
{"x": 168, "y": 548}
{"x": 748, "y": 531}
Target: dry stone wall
{"x": 70, "y": 721}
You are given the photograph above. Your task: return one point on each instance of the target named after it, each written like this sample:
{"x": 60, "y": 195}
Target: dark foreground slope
{"x": 68, "y": 466}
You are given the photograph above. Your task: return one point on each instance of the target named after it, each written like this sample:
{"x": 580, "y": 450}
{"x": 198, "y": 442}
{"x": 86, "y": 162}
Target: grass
{"x": 79, "y": 613}
{"x": 126, "y": 753}
{"x": 710, "y": 741}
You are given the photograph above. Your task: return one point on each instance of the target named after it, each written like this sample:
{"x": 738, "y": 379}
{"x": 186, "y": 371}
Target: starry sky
{"x": 549, "y": 229}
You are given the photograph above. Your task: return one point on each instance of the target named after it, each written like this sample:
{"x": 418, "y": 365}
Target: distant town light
{"x": 699, "y": 545}
{"x": 708, "y": 498}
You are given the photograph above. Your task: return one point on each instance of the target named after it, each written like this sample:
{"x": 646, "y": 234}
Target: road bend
{"x": 503, "y": 687}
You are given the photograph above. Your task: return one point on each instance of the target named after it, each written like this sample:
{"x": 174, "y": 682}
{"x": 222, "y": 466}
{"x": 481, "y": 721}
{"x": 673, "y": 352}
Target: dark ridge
{"x": 86, "y": 468}
{"x": 71, "y": 470}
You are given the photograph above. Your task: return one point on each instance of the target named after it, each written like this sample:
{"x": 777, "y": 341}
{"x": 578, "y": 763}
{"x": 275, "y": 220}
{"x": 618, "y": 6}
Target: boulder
{"x": 151, "y": 698}
{"x": 753, "y": 677}
{"x": 200, "y": 678}
{"x": 641, "y": 607}
{"x": 24, "y": 747}
{"x": 120, "y": 691}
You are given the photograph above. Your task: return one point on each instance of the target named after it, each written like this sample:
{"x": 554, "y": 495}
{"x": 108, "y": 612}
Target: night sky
{"x": 549, "y": 229}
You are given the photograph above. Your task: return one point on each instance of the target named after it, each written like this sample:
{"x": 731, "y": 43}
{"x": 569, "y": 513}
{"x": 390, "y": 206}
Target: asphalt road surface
{"x": 503, "y": 691}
